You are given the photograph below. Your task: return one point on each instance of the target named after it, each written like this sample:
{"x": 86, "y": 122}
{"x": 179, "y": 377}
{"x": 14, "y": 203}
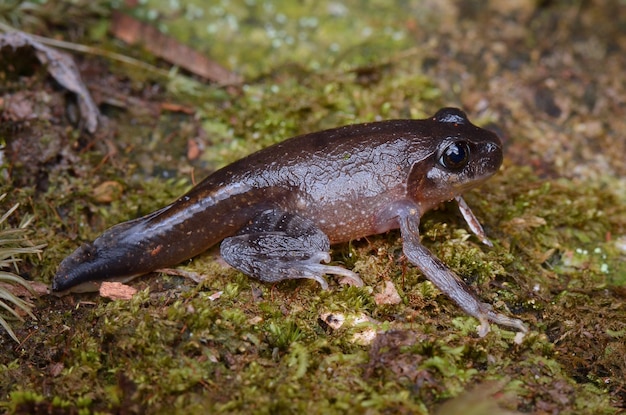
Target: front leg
{"x": 278, "y": 245}
{"x": 447, "y": 281}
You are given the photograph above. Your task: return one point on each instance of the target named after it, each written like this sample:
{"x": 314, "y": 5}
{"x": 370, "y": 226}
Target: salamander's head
{"x": 462, "y": 157}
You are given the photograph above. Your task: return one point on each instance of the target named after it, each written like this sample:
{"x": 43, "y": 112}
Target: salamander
{"x": 278, "y": 211}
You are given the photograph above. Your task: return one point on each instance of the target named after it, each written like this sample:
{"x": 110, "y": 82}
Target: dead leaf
{"x": 363, "y": 336}
{"x": 108, "y": 191}
{"x": 525, "y": 222}
{"x": 388, "y": 295}
{"x": 133, "y": 31}
{"x": 18, "y": 290}
{"x": 185, "y": 109}
{"x": 216, "y": 295}
{"x": 39, "y": 287}
{"x": 117, "y": 291}
{"x": 62, "y": 68}
{"x": 193, "y": 150}
{"x": 56, "y": 369}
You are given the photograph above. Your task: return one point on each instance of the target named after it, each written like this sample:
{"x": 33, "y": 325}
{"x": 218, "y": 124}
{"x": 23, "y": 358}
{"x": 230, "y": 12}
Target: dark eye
{"x": 455, "y": 156}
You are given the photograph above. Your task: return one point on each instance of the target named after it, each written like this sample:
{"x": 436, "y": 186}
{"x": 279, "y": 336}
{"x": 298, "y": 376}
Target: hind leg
{"x": 277, "y": 246}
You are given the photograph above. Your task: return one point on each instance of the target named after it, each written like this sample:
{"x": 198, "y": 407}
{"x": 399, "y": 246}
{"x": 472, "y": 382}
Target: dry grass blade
{"x": 13, "y": 242}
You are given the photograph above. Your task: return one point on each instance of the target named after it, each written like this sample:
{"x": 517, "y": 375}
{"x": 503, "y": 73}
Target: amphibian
{"x": 278, "y": 210}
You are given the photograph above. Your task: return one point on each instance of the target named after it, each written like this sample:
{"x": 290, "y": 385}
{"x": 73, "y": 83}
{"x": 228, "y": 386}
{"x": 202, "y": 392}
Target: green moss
{"x": 557, "y": 263}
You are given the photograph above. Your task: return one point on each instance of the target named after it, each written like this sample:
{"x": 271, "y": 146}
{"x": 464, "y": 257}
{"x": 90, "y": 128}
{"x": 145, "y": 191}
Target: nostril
{"x": 491, "y": 147}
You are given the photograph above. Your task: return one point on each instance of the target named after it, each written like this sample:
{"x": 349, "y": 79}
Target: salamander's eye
{"x": 455, "y": 156}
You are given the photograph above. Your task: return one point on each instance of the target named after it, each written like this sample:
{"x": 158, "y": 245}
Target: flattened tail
{"x": 79, "y": 271}
{"x": 161, "y": 239}
{"x": 121, "y": 253}
{"x": 87, "y": 267}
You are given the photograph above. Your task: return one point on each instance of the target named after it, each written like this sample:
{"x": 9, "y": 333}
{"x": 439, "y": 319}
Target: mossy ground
{"x": 547, "y": 77}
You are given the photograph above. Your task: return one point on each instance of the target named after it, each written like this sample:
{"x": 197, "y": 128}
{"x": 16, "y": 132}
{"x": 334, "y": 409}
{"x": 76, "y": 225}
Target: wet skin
{"x": 278, "y": 210}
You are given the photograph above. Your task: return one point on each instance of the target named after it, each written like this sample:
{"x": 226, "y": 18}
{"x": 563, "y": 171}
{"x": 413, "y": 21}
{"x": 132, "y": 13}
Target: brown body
{"x": 346, "y": 183}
